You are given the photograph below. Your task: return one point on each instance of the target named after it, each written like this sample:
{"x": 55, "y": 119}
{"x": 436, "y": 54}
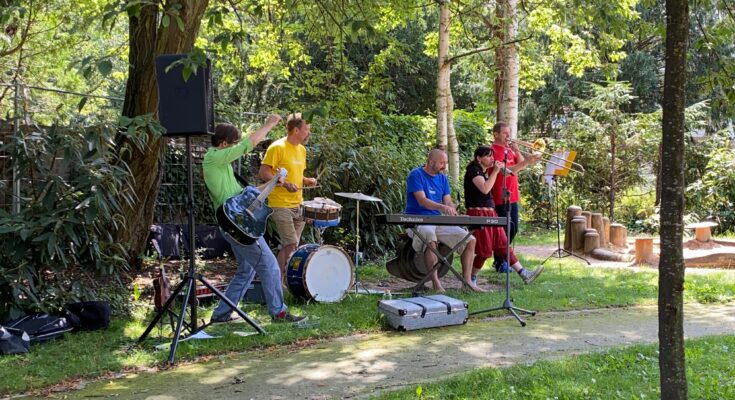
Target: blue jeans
{"x": 508, "y": 211}
{"x": 253, "y": 258}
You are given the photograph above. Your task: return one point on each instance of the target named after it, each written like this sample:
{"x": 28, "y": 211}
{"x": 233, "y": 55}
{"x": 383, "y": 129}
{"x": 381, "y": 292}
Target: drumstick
{"x": 308, "y": 187}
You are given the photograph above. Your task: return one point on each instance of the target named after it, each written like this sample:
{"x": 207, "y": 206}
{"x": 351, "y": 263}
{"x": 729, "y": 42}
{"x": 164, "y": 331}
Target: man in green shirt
{"x": 228, "y": 146}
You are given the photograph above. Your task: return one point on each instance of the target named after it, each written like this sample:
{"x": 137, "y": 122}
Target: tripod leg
{"x": 232, "y": 305}
{"x": 523, "y": 310}
{"x": 180, "y": 323}
{"x": 521, "y": 321}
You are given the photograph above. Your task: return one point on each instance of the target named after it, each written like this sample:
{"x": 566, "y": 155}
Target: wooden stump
{"x": 618, "y": 235}
{"x": 572, "y": 211}
{"x": 605, "y": 234}
{"x": 597, "y": 225}
{"x": 643, "y": 250}
{"x": 578, "y": 226}
{"x": 702, "y": 230}
{"x": 591, "y": 241}
{"x": 607, "y": 255}
{"x": 588, "y": 217}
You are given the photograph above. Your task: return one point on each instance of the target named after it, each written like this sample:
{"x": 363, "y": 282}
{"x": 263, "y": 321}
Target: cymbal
{"x": 358, "y": 196}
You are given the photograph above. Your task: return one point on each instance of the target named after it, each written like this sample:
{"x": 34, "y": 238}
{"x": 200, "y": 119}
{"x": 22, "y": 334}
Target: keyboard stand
{"x": 441, "y": 261}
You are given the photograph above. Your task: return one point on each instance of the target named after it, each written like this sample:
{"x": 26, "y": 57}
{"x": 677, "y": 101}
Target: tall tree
{"x": 153, "y": 31}
{"x": 672, "y": 363}
{"x": 507, "y": 62}
{"x": 446, "y": 137}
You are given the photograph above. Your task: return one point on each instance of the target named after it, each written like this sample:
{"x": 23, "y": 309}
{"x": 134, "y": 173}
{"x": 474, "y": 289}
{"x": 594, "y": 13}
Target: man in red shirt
{"x": 507, "y": 152}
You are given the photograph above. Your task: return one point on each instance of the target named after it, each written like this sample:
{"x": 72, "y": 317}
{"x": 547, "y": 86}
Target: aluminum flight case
{"x": 423, "y": 312}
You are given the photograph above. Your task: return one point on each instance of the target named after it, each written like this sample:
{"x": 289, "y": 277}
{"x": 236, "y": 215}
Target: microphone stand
{"x": 508, "y": 302}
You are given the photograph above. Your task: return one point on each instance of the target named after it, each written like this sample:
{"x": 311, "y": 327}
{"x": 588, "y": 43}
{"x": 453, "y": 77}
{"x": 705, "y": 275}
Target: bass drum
{"x": 321, "y": 273}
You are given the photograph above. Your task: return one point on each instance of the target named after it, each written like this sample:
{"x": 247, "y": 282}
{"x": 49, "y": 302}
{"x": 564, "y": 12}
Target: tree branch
{"x": 482, "y": 50}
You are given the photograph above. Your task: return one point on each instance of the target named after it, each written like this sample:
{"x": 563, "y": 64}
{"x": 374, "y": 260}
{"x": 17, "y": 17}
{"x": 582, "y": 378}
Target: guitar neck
{"x": 266, "y": 191}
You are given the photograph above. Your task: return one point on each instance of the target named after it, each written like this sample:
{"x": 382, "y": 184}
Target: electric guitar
{"x": 244, "y": 216}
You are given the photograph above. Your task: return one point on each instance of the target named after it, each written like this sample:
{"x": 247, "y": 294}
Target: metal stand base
{"x": 508, "y": 305}
{"x": 562, "y": 253}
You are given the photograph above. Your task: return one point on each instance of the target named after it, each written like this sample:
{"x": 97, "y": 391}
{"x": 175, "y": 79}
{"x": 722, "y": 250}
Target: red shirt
{"x": 511, "y": 181}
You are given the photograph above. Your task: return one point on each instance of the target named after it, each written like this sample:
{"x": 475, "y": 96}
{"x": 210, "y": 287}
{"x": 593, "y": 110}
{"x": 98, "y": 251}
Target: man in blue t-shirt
{"x": 428, "y": 194}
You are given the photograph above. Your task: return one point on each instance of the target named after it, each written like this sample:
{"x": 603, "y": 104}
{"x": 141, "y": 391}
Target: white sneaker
{"x": 531, "y": 276}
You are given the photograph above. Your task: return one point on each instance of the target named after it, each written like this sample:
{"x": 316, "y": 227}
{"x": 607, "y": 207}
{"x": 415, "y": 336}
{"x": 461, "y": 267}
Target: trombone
{"x": 538, "y": 146}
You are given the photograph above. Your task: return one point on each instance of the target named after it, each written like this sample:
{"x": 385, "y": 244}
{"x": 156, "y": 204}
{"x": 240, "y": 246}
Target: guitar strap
{"x": 240, "y": 179}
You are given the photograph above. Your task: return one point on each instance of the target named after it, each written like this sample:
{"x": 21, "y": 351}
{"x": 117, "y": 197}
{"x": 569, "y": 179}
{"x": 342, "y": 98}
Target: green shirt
{"x": 218, "y": 174}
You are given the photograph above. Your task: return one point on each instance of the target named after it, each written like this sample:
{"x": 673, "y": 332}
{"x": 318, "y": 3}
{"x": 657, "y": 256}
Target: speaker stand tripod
{"x": 508, "y": 301}
{"x": 189, "y": 281}
{"x": 560, "y": 252}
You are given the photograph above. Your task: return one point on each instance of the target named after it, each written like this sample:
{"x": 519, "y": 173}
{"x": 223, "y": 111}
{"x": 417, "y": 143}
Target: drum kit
{"x": 319, "y": 272}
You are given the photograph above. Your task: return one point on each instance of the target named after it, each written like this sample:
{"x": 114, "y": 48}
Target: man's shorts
{"x": 449, "y": 235}
{"x": 289, "y": 224}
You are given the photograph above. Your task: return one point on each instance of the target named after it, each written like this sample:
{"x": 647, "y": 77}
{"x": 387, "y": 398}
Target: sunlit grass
{"x": 623, "y": 373}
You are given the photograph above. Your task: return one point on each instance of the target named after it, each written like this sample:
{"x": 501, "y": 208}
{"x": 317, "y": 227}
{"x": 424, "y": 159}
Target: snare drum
{"x": 322, "y": 273}
{"x": 321, "y": 209}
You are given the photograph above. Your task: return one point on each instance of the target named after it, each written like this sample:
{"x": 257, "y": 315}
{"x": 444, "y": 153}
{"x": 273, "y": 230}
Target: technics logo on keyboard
{"x": 411, "y": 219}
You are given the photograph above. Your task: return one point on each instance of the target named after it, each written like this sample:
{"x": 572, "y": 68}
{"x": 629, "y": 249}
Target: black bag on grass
{"x": 13, "y": 341}
{"x": 42, "y": 327}
{"x": 88, "y": 315}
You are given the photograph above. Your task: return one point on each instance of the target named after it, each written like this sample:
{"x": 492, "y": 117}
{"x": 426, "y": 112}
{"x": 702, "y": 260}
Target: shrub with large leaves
{"x": 59, "y": 248}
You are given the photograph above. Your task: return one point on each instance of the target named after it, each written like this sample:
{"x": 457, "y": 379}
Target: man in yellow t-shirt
{"x": 289, "y": 153}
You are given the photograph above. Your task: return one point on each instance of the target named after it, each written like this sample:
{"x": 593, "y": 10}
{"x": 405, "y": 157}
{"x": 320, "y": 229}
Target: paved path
{"x": 360, "y": 365}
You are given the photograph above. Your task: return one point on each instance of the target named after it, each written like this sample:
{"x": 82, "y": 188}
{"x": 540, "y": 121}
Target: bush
{"x": 59, "y": 247}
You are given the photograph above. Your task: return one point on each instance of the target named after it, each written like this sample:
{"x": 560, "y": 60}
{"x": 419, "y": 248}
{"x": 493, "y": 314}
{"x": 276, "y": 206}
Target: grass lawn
{"x": 567, "y": 287}
{"x": 625, "y": 373}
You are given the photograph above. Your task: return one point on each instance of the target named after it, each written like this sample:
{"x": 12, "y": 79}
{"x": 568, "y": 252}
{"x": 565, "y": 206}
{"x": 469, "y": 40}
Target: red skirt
{"x": 491, "y": 239}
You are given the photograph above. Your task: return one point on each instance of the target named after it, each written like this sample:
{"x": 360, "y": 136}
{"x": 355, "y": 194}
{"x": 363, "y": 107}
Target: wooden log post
{"x": 607, "y": 255}
{"x": 618, "y": 235}
{"x": 605, "y": 234}
{"x": 597, "y": 225}
{"x": 572, "y": 211}
{"x": 643, "y": 250}
{"x": 588, "y": 217}
{"x": 591, "y": 241}
{"x": 578, "y": 226}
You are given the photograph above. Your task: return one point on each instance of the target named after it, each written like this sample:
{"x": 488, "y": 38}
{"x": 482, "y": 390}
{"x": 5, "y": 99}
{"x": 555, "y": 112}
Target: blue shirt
{"x": 434, "y": 187}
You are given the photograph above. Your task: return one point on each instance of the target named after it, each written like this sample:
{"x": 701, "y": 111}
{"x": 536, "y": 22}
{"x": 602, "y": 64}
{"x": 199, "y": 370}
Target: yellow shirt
{"x": 282, "y": 154}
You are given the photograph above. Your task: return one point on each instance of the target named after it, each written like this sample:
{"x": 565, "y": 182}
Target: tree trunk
{"x": 507, "y": 61}
{"x": 147, "y": 41}
{"x": 446, "y": 138}
{"x": 672, "y": 365}
{"x": 612, "y": 175}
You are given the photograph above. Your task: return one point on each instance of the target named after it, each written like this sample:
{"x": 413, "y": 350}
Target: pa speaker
{"x": 185, "y": 108}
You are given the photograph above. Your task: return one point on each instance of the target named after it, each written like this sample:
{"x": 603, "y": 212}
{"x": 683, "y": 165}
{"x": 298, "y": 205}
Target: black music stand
{"x": 560, "y": 252}
{"x": 508, "y": 302}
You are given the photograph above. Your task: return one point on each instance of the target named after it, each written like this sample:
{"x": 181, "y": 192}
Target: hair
{"x": 225, "y": 133}
{"x": 499, "y": 125}
{"x": 434, "y": 153}
{"x": 294, "y": 121}
{"x": 481, "y": 151}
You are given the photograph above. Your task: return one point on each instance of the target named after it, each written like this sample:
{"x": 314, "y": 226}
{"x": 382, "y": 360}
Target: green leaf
{"x": 81, "y": 103}
{"x": 104, "y": 67}
{"x": 165, "y": 21}
{"x": 180, "y": 23}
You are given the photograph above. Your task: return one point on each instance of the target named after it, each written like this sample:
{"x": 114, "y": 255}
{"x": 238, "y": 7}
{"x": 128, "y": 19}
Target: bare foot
{"x": 475, "y": 287}
{"x": 439, "y": 289}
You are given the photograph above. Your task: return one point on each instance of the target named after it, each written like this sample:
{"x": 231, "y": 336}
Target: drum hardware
{"x": 359, "y": 197}
{"x": 323, "y": 213}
